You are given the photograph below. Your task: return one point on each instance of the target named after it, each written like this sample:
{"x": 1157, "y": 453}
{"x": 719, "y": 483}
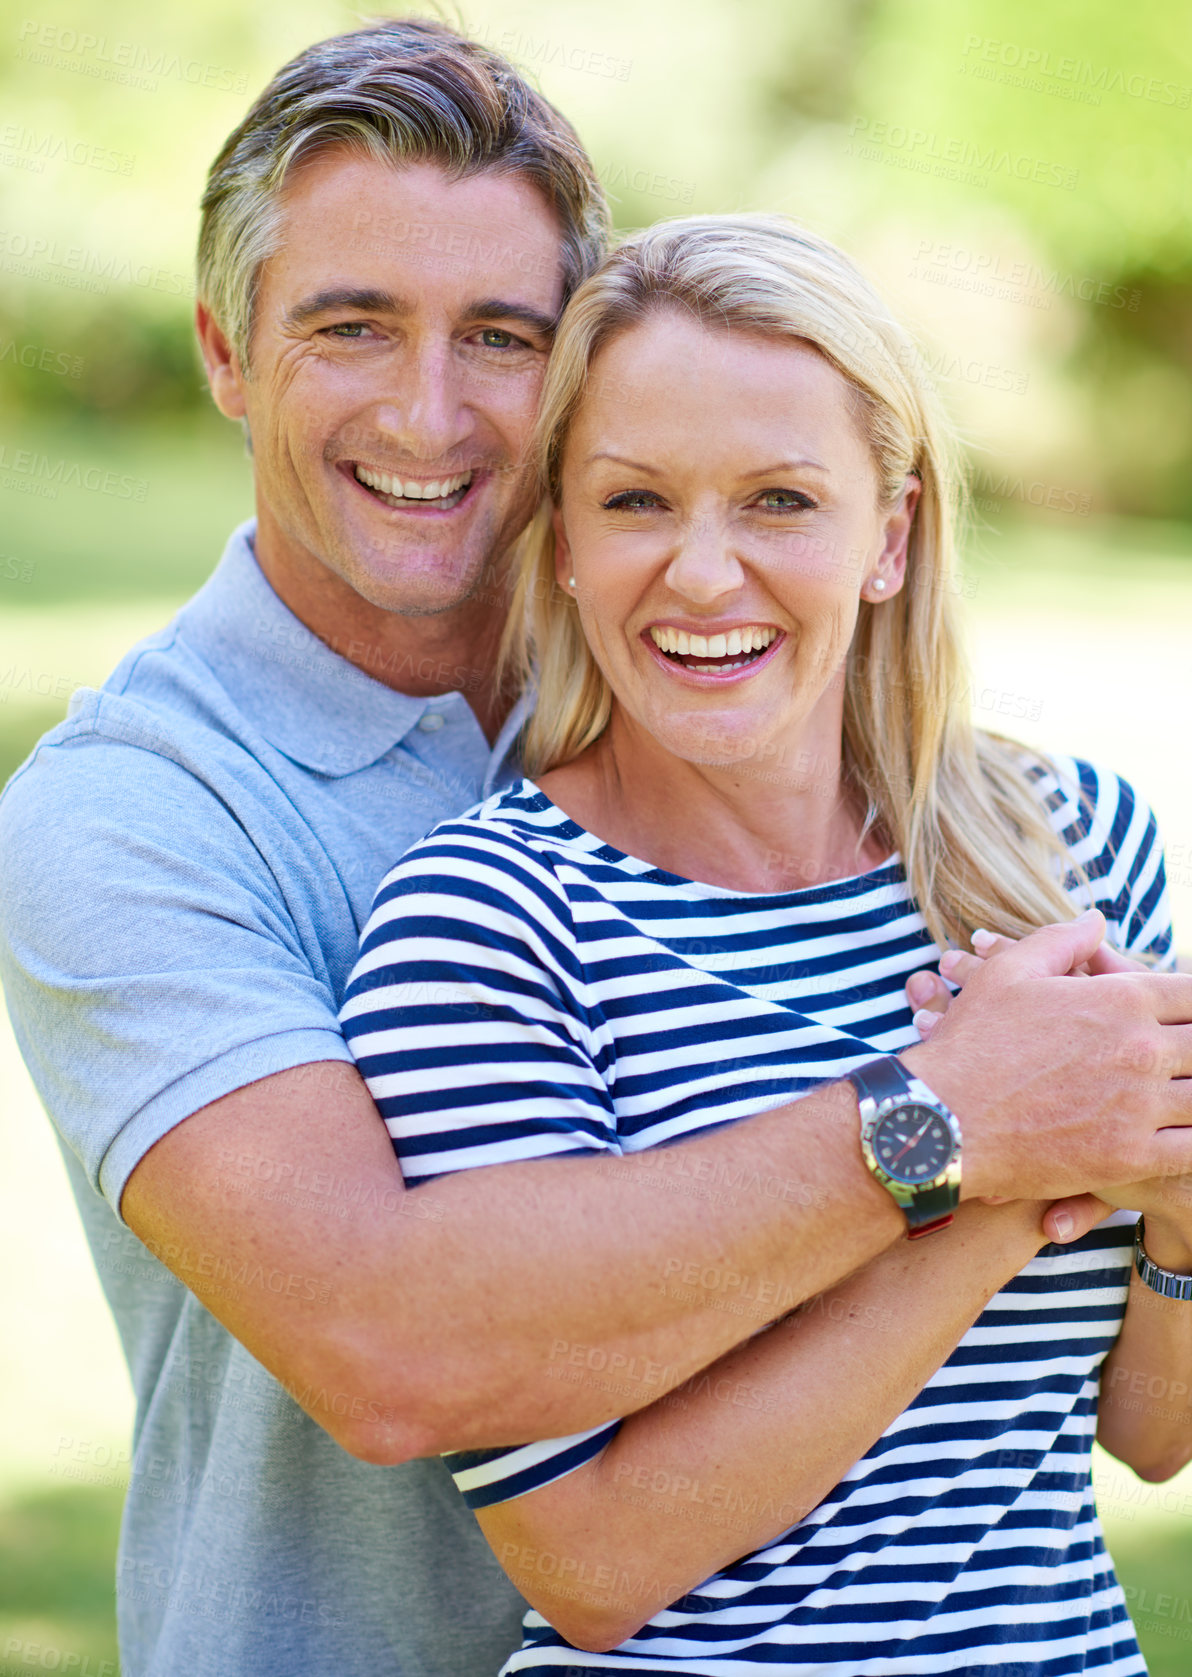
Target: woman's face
{"x": 719, "y": 513}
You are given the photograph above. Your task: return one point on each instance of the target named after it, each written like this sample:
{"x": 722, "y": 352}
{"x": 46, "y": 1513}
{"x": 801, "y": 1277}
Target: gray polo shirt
{"x": 186, "y": 863}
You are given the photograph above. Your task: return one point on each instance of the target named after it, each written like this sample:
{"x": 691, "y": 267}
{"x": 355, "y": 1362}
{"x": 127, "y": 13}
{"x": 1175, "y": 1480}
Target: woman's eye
{"x": 631, "y": 500}
{"x": 784, "y": 500}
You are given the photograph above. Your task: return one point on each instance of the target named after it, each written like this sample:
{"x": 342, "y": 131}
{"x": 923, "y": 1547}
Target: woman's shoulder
{"x": 498, "y": 856}
{"x": 519, "y": 824}
{"x": 1112, "y": 840}
{"x": 1091, "y": 807}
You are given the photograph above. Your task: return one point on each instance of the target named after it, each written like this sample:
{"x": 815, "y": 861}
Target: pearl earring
{"x": 878, "y": 585}
{"x": 571, "y": 583}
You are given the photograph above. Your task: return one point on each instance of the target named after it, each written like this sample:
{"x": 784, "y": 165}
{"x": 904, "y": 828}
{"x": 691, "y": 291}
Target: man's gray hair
{"x": 403, "y": 90}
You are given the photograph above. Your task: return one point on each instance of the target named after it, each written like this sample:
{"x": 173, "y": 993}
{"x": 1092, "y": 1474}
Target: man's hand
{"x": 1100, "y": 1065}
{"x": 928, "y": 993}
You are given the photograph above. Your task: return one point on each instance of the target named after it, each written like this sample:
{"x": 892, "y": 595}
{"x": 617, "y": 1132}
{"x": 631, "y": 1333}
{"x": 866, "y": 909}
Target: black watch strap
{"x": 930, "y": 1209}
{"x": 881, "y": 1080}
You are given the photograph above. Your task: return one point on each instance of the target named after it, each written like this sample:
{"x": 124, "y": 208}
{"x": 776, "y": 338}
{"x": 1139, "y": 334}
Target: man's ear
{"x": 224, "y": 373}
{"x": 562, "y": 551}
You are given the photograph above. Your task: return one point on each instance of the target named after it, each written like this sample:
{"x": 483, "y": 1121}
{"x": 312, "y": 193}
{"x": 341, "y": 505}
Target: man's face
{"x": 399, "y": 342}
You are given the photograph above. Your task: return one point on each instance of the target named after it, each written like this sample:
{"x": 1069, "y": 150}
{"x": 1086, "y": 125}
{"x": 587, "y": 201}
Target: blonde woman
{"x": 757, "y": 807}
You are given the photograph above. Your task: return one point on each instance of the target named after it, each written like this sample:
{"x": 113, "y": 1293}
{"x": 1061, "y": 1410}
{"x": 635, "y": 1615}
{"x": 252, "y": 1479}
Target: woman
{"x": 758, "y": 806}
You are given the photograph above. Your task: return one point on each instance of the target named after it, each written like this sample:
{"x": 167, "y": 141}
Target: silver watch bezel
{"x": 872, "y": 1114}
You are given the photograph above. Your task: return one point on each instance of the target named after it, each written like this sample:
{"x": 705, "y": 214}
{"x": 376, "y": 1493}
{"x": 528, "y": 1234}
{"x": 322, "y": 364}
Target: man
{"x": 387, "y": 240}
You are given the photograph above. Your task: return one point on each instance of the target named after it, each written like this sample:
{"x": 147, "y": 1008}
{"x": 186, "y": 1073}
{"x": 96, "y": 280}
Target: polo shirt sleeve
{"x": 149, "y": 957}
{"x": 470, "y": 1020}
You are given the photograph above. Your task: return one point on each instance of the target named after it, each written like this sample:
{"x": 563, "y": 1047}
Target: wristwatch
{"x": 1169, "y": 1282}
{"x": 911, "y": 1143}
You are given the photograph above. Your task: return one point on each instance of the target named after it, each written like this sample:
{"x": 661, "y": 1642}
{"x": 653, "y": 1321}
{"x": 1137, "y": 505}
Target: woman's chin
{"x": 711, "y": 746}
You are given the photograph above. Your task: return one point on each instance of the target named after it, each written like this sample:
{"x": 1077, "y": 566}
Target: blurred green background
{"x": 1018, "y": 179}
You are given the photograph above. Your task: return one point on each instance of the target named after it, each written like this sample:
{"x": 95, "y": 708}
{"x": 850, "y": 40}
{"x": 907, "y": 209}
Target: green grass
{"x": 57, "y": 1580}
{"x": 87, "y": 546}
{"x": 1155, "y": 1568}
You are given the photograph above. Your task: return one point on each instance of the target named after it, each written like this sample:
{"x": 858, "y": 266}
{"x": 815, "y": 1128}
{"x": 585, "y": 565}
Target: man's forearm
{"x": 496, "y": 1305}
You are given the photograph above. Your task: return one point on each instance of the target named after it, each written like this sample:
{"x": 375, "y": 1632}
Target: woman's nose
{"x": 704, "y": 567}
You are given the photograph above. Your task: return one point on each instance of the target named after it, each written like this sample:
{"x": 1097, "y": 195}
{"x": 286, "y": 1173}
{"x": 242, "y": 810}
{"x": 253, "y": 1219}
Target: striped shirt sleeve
{"x": 468, "y": 1017}
{"x": 1111, "y": 833}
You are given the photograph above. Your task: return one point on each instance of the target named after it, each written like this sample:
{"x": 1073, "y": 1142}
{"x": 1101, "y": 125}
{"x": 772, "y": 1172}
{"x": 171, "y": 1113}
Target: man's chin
{"x": 412, "y": 588}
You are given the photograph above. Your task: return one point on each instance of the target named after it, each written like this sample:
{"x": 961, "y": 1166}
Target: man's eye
{"x": 784, "y": 500}
{"x": 495, "y": 337}
{"x": 347, "y": 329}
{"x": 631, "y": 500}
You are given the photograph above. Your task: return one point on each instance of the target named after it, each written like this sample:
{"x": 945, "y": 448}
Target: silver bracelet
{"x": 1165, "y": 1281}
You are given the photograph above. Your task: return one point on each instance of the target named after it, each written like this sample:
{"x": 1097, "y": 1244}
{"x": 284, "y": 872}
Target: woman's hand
{"x": 930, "y": 996}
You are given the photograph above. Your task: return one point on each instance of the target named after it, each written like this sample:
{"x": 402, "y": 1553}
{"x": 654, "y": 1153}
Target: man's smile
{"x": 405, "y": 494}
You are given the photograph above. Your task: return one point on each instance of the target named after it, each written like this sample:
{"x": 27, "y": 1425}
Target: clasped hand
{"x": 1164, "y": 1198}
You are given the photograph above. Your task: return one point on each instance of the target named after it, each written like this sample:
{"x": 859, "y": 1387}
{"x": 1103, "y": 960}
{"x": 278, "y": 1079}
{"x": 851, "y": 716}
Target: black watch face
{"x": 912, "y": 1144}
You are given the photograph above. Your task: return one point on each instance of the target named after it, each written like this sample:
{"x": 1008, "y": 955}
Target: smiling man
{"x": 387, "y": 240}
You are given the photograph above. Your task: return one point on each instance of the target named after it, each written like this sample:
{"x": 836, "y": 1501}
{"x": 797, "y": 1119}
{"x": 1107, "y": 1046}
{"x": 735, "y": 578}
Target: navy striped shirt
{"x": 526, "y": 989}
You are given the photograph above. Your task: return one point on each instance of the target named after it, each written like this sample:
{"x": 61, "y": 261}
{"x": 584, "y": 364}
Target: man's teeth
{"x": 410, "y": 491}
{"x": 753, "y": 638}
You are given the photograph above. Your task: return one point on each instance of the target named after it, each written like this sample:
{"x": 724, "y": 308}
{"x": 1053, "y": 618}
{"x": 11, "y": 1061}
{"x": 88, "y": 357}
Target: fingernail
{"x": 982, "y": 940}
{"x": 948, "y": 961}
{"x": 1063, "y": 1224}
{"x": 1089, "y": 914}
{"x": 925, "y": 1021}
{"x": 920, "y": 988}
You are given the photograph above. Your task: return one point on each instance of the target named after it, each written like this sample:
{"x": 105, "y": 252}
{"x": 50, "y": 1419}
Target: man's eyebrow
{"x": 362, "y": 300}
{"x": 501, "y": 308}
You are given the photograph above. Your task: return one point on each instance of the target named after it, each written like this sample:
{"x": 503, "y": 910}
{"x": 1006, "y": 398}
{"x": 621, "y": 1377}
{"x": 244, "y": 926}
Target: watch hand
{"x": 912, "y": 1141}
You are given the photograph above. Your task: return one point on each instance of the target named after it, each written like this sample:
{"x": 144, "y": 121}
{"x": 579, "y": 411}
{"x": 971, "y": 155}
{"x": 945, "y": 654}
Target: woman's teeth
{"x": 741, "y": 644}
{"x": 405, "y": 489}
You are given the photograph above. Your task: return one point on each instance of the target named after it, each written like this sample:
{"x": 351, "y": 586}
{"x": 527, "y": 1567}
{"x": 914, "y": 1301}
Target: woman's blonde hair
{"x": 974, "y": 837}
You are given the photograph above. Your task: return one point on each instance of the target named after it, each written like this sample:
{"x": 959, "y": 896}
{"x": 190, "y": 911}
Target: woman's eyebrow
{"x": 619, "y": 460}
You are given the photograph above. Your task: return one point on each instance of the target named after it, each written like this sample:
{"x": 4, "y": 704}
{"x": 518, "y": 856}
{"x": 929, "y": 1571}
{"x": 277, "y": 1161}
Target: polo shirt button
{"x": 431, "y": 722}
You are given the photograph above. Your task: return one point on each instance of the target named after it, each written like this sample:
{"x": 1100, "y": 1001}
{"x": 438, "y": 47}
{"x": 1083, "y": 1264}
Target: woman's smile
{"x": 719, "y": 655}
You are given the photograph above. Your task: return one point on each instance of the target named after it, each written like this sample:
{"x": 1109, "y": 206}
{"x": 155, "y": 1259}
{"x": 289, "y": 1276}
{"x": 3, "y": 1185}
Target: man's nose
{"x": 704, "y": 566}
{"x": 425, "y": 416}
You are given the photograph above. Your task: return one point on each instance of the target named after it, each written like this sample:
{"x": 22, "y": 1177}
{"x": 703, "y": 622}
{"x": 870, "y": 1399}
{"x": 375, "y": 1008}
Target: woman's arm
{"x": 1145, "y": 1417}
{"x": 748, "y": 1448}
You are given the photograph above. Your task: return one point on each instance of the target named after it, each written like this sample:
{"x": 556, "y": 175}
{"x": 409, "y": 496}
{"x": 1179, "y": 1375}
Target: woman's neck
{"x": 780, "y": 823}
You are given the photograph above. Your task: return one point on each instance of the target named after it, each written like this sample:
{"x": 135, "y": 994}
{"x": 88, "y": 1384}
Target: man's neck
{"x": 423, "y": 656}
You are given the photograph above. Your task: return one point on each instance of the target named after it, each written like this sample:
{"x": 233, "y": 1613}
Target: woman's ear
{"x": 891, "y": 562}
{"x": 562, "y": 552}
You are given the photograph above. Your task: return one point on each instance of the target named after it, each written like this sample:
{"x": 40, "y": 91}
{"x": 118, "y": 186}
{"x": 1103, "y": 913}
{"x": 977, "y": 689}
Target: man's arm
{"x": 457, "y": 1308}
{"x": 451, "y": 1309}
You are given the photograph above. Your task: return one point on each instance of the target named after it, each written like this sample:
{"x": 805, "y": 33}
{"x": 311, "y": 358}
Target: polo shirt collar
{"x": 307, "y": 700}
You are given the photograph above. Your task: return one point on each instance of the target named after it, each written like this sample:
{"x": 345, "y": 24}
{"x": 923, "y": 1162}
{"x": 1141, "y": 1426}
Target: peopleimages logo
{"x": 129, "y": 63}
{"x": 952, "y": 156}
{"x": 26, "y": 470}
{"x": 37, "y": 257}
{"x": 1079, "y": 72}
{"x": 992, "y": 274}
